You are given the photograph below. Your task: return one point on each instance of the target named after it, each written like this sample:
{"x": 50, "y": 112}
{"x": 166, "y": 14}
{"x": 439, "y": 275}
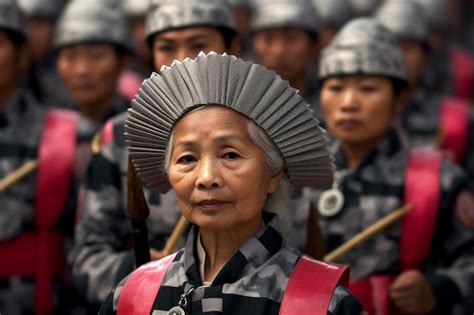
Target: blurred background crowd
{"x": 69, "y": 70}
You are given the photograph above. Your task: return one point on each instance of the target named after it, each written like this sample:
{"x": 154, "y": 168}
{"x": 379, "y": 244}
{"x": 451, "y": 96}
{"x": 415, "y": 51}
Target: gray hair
{"x": 276, "y": 202}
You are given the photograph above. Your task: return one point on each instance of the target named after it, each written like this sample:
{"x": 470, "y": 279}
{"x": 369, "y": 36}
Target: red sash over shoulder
{"x": 311, "y": 287}
{"x": 39, "y": 253}
{"x": 422, "y": 188}
{"x": 463, "y": 73}
{"x": 454, "y": 122}
{"x": 309, "y": 290}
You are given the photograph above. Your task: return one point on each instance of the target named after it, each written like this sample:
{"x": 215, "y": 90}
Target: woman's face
{"x": 358, "y": 109}
{"x": 221, "y": 178}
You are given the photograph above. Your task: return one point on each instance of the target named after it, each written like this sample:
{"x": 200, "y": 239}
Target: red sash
{"x": 309, "y": 290}
{"x": 107, "y": 133}
{"x": 463, "y": 72}
{"x": 39, "y": 254}
{"x": 422, "y": 188}
{"x": 454, "y": 122}
{"x": 129, "y": 84}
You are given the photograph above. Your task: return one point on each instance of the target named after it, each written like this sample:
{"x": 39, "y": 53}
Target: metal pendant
{"x": 177, "y": 310}
{"x": 331, "y": 202}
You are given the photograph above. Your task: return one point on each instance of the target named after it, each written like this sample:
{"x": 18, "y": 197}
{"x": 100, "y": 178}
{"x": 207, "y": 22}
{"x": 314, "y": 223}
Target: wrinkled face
{"x": 9, "y": 62}
{"x": 188, "y": 42}
{"x": 221, "y": 178}
{"x": 415, "y": 58}
{"x": 287, "y": 51}
{"x": 90, "y": 72}
{"x": 358, "y": 110}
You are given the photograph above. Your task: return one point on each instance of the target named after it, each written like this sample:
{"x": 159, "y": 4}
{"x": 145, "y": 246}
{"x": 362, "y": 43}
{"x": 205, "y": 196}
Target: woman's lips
{"x": 210, "y": 204}
{"x": 348, "y": 123}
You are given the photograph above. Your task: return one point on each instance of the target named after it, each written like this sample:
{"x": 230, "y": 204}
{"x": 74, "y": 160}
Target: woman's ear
{"x": 275, "y": 181}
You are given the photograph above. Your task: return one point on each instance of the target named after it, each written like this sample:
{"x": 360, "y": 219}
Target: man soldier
{"x": 429, "y": 117}
{"x": 285, "y": 39}
{"x": 423, "y": 264}
{"x": 42, "y": 78}
{"x": 37, "y": 160}
{"x": 102, "y": 255}
{"x": 92, "y": 42}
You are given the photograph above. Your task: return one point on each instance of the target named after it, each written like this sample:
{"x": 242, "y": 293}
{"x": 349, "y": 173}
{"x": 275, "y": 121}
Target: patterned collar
{"x": 249, "y": 257}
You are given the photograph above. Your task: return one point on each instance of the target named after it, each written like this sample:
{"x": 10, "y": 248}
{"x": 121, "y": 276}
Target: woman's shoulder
{"x": 344, "y": 303}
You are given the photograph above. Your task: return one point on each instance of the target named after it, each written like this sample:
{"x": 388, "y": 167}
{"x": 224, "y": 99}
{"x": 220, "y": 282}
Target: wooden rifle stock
{"x": 137, "y": 213}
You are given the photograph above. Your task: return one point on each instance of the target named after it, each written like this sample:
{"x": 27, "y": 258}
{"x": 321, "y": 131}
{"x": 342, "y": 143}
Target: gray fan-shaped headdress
{"x": 284, "y": 13}
{"x": 243, "y": 86}
{"x": 11, "y": 17}
{"x": 363, "y": 47}
{"x": 92, "y": 21}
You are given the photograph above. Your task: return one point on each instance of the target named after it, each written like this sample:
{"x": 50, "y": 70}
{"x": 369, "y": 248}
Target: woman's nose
{"x": 349, "y": 100}
{"x": 208, "y": 175}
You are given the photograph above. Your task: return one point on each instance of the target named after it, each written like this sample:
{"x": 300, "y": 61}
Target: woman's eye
{"x": 335, "y": 88}
{"x": 186, "y": 159}
{"x": 231, "y": 156}
{"x": 368, "y": 88}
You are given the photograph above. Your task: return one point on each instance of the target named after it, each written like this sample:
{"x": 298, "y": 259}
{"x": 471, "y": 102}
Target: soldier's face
{"x": 90, "y": 72}
{"x": 358, "y": 110}
{"x": 288, "y": 52}
{"x": 221, "y": 178}
{"x": 9, "y": 63}
{"x": 181, "y": 44}
{"x": 415, "y": 58}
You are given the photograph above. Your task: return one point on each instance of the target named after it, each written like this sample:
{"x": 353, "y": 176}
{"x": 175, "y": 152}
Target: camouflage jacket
{"x": 21, "y": 125}
{"x": 375, "y": 189}
{"x": 253, "y": 281}
{"x": 419, "y": 125}
{"x": 102, "y": 254}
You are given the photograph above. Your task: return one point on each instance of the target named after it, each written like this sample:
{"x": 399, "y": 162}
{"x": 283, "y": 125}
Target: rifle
{"x": 17, "y": 175}
{"x": 137, "y": 213}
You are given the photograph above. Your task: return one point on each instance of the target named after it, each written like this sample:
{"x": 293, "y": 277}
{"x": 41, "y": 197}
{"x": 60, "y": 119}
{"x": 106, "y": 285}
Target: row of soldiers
{"x": 65, "y": 241}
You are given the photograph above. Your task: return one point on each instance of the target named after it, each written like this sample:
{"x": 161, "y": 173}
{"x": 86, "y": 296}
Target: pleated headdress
{"x": 246, "y": 87}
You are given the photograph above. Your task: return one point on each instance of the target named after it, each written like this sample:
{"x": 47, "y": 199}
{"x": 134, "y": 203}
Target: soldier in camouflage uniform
{"x": 43, "y": 79}
{"x": 363, "y": 74}
{"x": 285, "y": 39}
{"x": 421, "y": 122}
{"x": 90, "y": 60}
{"x": 37, "y": 217}
{"x": 102, "y": 255}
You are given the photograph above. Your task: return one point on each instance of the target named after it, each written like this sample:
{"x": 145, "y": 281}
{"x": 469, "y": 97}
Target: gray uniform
{"x": 375, "y": 189}
{"x": 102, "y": 255}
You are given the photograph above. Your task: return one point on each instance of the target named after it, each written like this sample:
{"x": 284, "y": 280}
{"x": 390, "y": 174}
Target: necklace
{"x": 182, "y": 304}
{"x": 331, "y": 201}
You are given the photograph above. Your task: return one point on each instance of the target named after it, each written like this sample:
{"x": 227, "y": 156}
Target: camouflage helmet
{"x": 284, "y": 13}
{"x": 168, "y": 15}
{"x": 91, "y": 21}
{"x": 363, "y": 47}
{"x": 435, "y": 13}
{"x": 405, "y": 20}
{"x": 41, "y": 9}
{"x": 135, "y": 8}
{"x": 364, "y": 7}
{"x": 239, "y": 3}
{"x": 11, "y": 18}
{"x": 334, "y": 13}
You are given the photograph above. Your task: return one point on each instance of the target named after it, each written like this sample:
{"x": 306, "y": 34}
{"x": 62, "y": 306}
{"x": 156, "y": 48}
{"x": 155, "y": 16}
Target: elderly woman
{"x": 229, "y": 137}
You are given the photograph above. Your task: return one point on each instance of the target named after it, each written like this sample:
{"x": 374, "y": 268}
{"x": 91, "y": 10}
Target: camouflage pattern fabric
{"x": 11, "y": 18}
{"x": 102, "y": 255}
{"x": 375, "y": 189}
{"x": 252, "y": 281}
{"x": 20, "y": 145}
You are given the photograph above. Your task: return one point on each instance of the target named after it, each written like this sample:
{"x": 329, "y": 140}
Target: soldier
{"x": 90, "y": 60}
{"x": 425, "y": 264}
{"x": 285, "y": 39}
{"x": 36, "y": 195}
{"x": 430, "y": 118}
{"x": 43, "y": 79}
{"x": 333, "y": 14}
{"x": 242, "y": 12}
{"x": 102, "y": 255}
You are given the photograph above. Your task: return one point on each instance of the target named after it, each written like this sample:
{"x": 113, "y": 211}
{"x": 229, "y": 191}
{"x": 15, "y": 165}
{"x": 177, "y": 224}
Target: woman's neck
{"x": 355, "y": 153}
{"x": 221, "y": 245}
